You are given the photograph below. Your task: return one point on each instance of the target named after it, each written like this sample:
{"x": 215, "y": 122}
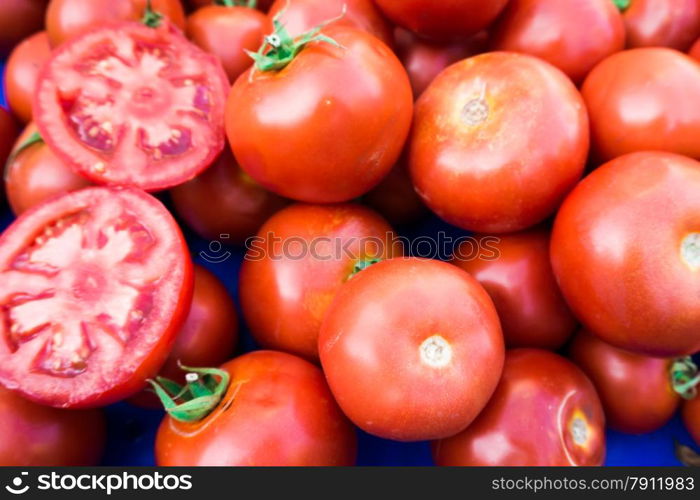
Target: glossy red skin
{"x": 513, "y": 168}
{"x": 18, "y": 20}
{"x": 395, "y": 197}
{"x": 637, "y": 101}
{"x": 443, "y": 20}
{"x": 629, "y": 218}
{"x": 300, "y": 290}
{"x": 22, "y": 71}
{"x": 528, "y": 421}
{"x": 223, "y": 203}
{"x": 8, "y": 134}
{"x": 37, "y": 174}
{"x": 227, "y": 32}
{"x": 695, "y": 50}
{"x": 338, "y": 119}
{"x": 66, "y": 19}
{"x": 578, "y": 34}
{"x": 300, "y": 16}
{"x": 691, "y": 418}
{"x": 521, "y": 284}
{"x": 372, "y": 349}
{"x": 36, "y": 435}
{"x": 635, "y": 390}
{"x": 277, "y": 411}
{"x": 662, "y": 23}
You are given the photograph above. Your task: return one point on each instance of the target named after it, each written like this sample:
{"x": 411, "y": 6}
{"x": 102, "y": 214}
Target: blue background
{"x": 131, "y": 430}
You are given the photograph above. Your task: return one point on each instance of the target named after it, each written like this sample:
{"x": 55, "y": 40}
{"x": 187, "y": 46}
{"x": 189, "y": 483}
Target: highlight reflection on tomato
{"x": 22, "y": 72}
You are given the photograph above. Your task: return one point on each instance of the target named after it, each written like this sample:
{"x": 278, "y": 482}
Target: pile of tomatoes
{"x": 562, "y": 135}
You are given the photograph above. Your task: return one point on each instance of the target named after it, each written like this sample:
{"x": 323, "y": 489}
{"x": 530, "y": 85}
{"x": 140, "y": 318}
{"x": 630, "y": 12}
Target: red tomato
{"x": 147, "y": 112}
{"x": 95, "y": 285}
{"x": 300, "y": 260}
{"x": 35, "y": 174}
{"x": 442, "y": 20}
{"x": 635, "y": 390}
{"x": 18, "y": 20}
{"x": 36, "y": 435}
{"x": 521, "y": 284}
{"x": 636, "y": 220}
{"x": 545, "y": 412}
{"x": 695, "y": 50}
{"x": 395, "y": 197}
{"x": 691, "y": 417}
{"x": 337, "y": 117}
{"x": 227, "y": 32}
{"x": 578, "y": 34}
{"x": 513, "y": 140}
{"x": 22, "y": 72}
{"x": 8, "y": 134}
{"x": 300, "y": 16}
{"x": 277, "y": 411}
{"x": 412, "y": 349}
{"x": 638, "y": 100}
{"x": 662, "y": 23}
{"x": 67, "y": 19}
{"x": 223, "y": 202}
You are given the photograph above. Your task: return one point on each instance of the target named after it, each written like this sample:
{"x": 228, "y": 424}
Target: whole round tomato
{"x": 277, "y": 411}
{"x": 329, "y": 125}
{"x": 635, "y": 390}
{"x": 662, "y": 23}
{"x": 95, "y": 285}
{"x": 695, "y": 50}
{"x": 148, "y": 116}
{"x": 66, "y": 19}
{"x": 412, "y": 349}
{"x": 636, "y": 221}
{"x": 578, "y": 34}
{"x": 22, "y": 73}
{"x": 36, "y": 174}
{"x": 8, "y": 134}
{"x": 691, "y": 417}
{"x": 227, "y": 32}
{"x": 223, "y": 202}
{"x": 446, "y": 19}
{"x": 395, "y": 197}
{"x": 298, "y": 262}
{"x": 36, "y": 435}
{"x": 638, "y": 99}
{"x": 521, "y": 283}
{"x": 545, "y": 412}
{"x": 18, "y": 20}
{"x": 512, "y": 142}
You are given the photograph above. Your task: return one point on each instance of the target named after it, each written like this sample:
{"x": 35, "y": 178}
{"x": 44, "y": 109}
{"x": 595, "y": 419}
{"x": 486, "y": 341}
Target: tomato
{"x": 223, "y": 202}
{"x": 442, "y": 20}
{"x": 635, "y": 390}
{"x": 300, "y": 260}
{"x": 35, "y": 435}
{"x": 299, "y": 16}
{"x": 400, "y": 337}
{"x": 695, "y": 50}
{"x": 636, "y": 220}
{"x": 545, "y": 412}
{"x": 395, "y": 197}
{"x": 513, "y": 140}
{"x": 67, "y": 19}
{"x": 337, "y": 117}
{"x": 36, "y": 174}
{"x": 277, "y": 411}
{"x": 131, "y": 105}
{"x": 18, "y": 20}
{"x": 227, "y": 32}
{"x": 95, "y": 285}
{"x": 22, "y": 72}
{"x": 662, "y": 23}
{"x": 637, "y": 101}
{"x": 578, "y": 34}
{"x": 691, "y": 417}
{"x": 8, "y": 134}
{"x": 521, "y": 284}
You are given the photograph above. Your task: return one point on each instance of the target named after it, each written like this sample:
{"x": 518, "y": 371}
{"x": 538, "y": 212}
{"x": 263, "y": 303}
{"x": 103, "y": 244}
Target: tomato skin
{"x": 282, "y": 414}
{"x": 22, "y": 72}
{"x": 395, "y": 197}
{"x": 695, "y": 50}
{"x": 489, "y": 173}
{"x": 530, "y": 417}
{"x": 37, "y": 174}
{"x": 637, "y": 292}
{"x": 579, "y": 34}
{"x": 8, "y": 134}
{"x": 300, "y": 290}
{"x": 338, "y": 118}
{"x": 691, "y": 418}
{"x": 662, "y": 23}
{"x": 402, "y": 334}
{"x": 660, "y": 82}
{"x": 521, "y": 284}
{"x": 18, "y": 20}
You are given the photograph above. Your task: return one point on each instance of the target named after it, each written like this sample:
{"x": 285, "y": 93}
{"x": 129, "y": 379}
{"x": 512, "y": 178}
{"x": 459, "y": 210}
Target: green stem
{"x": 34, "y": 138}
{"x": 685, "y": 377}
{"x": 237, "y": 3}
{"x": 363, "y": 264}
{"x": 622, "y": 5}
{"x": 151, "y": 18}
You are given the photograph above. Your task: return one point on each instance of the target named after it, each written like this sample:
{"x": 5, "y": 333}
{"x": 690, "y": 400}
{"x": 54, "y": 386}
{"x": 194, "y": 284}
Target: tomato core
{"x": 690, "y": 250}
{"x": 435, "y": 352}
{"x": 475, "y": 111}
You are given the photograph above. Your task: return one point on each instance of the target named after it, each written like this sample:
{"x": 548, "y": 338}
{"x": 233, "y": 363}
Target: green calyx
{"x": 197, "y": 398}
{"x": 363, "y": 264}
{"x": 685, "y": 377}
{"x": 35, "y": 138}
{"x": 622, "y": 5}
{"x": 151, "y": 18}
{"x": 237, "y": 3}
